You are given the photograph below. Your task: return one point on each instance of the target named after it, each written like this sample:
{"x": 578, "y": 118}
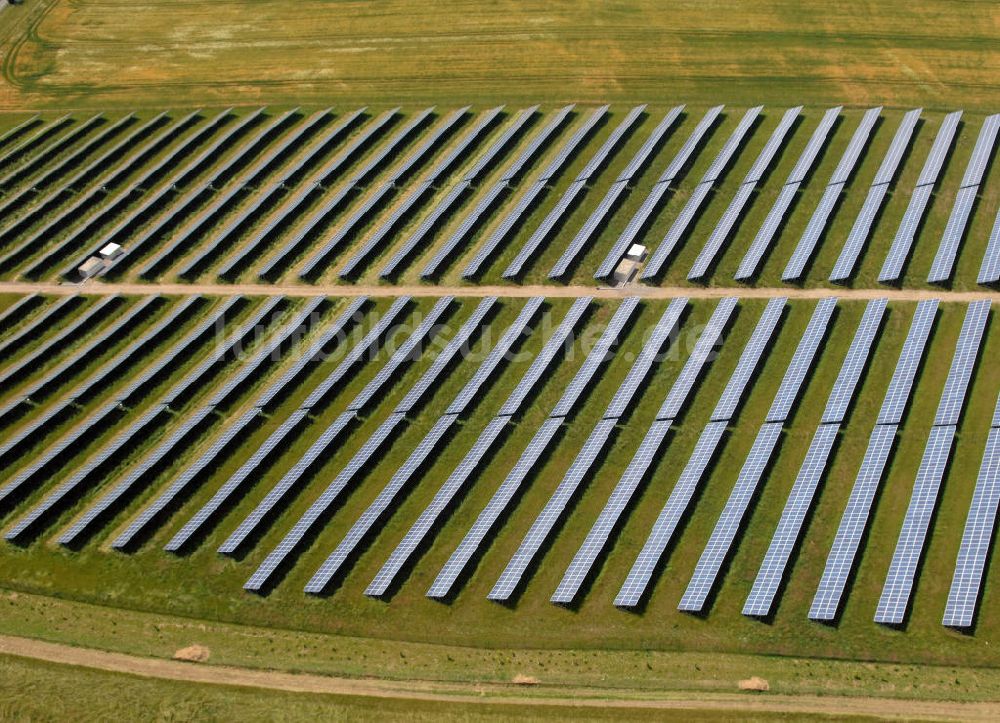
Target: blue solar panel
{"x": 951, "y": 239}
{"x": 895, "y": 597}
{"x": 284, "y": 486}
{"x": 858, "y": 353}
{"x": 582, "y": 563}
{"x": 887, "y": 170}
{"x": 371, "y": 516}
{"x": 765, "y": 235}
{"x": 541, "y": 233}
{"x": 698, "y": 196}
{"x": 483, "y": 205}
{"x": 586, "y": 231}
{"x": 665, "y": 330}
{"x": 639, "y": 576}
{"x": 500, "y": 144}
{"x": 430, "y": 378}
{"x": 429, "y": 517}
{"x": 939, "y": 150}
{"x": 471, "y": 391}
{"x": 207, "y": 460}
{"x": 966, "y": 353}
{"x": 761, "y": 598}
{"x": 812, "y": 149}
{"x": 56, "y": 499}
{"x": 553, "y": 511}
{"x": 746, "y": 367}
{"x": 966, "y": 583}
{"x": 611, "y": 143}
{"x": 898, "y": 393}
{"x": 899, "y": 252}
{"x": 596, "y": 358}
{"x": 416, "y": 194}
{"x": 650, "y": 144}
{"x": 857, "y": 145}
{"x": 232, "y": 485}
{"x": 802, "y": 361}
{"x": 432, "y": 219}
{"x": 579, "y": 135}
{"x": 840, "y": 561}
{"x": 710, "y": 337}
{"x": 487, "y": 519}
{"x": 294, "y": 538}
{"x": 982, "y": 152}
{"x": 720, "y": 234}
{"x": 718, "y": 547}
{"x": 857, "y": 237}
{"x": 806, "y": 246}
{"x": 301, "y": 199}
{"x": 660, "y": 188}
{"x": 774, "y": 142}
{"x": 989, "y": 271}
{"x": 356, "y": 354}
{"x": 404, "y": 353}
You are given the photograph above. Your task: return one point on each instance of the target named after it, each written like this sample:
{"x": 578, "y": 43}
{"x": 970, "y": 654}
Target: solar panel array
{"x": 535, "y": 190}
{"x": 502, "y": 498}
{"x": 332, "y": 432}
{"x": 470, "y": 463}
{"x": 416, "y": 194}
{"x": 743, "y": 194}
{"x": 654, "y": 199}
{"x": 662, "y": 253}
{"x": 80, "y": 218}
{"x": 444, "y": 206}
{"x": 860, "y": 231}
{"x": 731, "y": 520}
{"x": 52, "y": 150}
{"x": 294, "y": 539}
{"x": 579, "y": 185}
{"x": 622, "y": 402}
{"x": 760, "y": 601}
{"x": 583, "y": 561}
{"x": 806, "y": 246}
{"x": 219, "y": 175}
{"x": 967, "y": 580}
{"x": 895, "y": 598}
{"x": 348, "y": 226}
{"x": 989, "y": 270}
{"x": 314, "y": 187}
{"x": 954, "y": 231}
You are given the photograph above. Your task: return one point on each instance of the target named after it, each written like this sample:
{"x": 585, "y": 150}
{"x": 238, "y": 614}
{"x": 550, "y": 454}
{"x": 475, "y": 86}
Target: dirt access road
{"x": 376, "y": 290}
{"x": 488, "y": 694}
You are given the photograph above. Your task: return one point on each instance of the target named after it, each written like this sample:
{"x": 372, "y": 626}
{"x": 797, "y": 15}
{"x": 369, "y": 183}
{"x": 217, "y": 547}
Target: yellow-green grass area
{"x": 50, "y": 691}
{"x": 204, "y": 586}
{"x": 970, "y": 255}
{"x": 88, "y": 53}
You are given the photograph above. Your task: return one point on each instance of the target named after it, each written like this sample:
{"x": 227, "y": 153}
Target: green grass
{"x": 85, "y": 53}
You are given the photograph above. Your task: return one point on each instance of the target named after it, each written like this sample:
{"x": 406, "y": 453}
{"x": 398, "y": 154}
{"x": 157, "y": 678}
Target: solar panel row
{"x": 417, "y": 193}
{"x": 59, "y": 144}
{"x": 965, "y": 199}
{"x": 75, "y": 217}
{"x": 802, "y": 361}
{"x": 305, "y": 195}
{"x": 597, "y": 538}
{"x": 677, "y": 230}
{"x": 354, "y": 221}
{"x": 765, "y": 235}
{"x": 470, "y": 463}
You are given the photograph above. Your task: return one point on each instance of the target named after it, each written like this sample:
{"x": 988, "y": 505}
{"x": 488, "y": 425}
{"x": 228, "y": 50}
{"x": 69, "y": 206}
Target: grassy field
{"x": 153, "y": 53}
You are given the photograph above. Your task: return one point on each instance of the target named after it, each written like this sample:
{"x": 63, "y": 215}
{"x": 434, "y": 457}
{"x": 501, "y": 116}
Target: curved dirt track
{"x": 646, "y": 292}
{"x": 490, "y": 694}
